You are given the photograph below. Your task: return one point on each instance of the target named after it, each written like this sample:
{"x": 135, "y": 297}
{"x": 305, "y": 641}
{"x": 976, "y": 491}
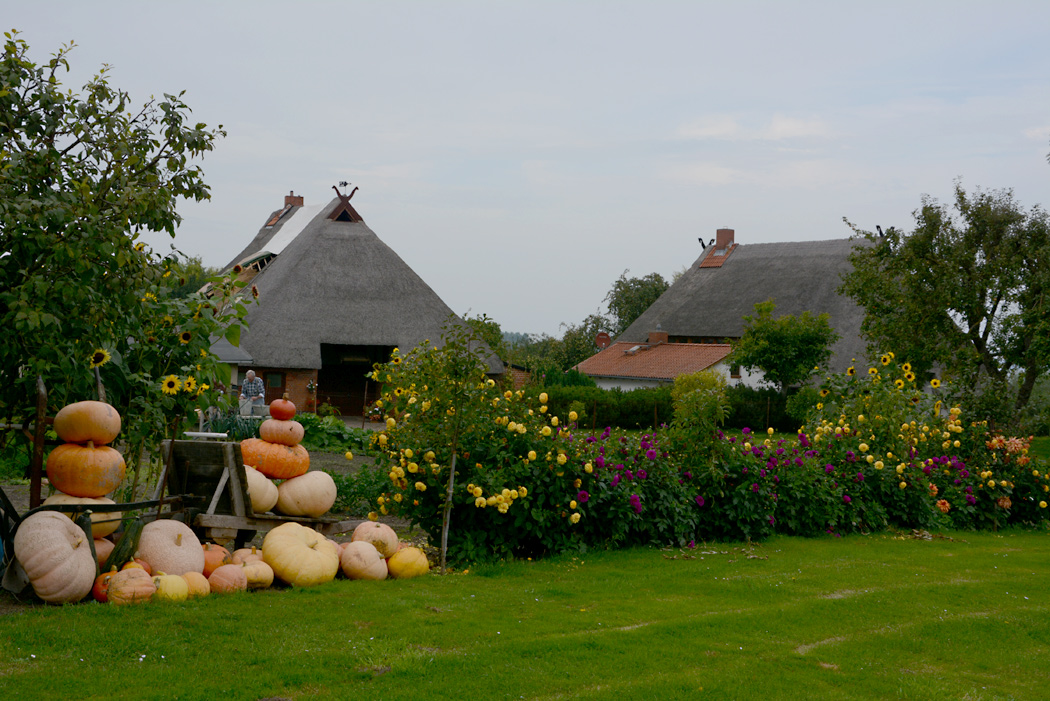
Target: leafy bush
{"x": 358, "y": 491}
{"x": 645, "y": 408}
{"x": 757, "y": 409}
{"x": 235, "y": 426}
{"x": 331, "y": 434}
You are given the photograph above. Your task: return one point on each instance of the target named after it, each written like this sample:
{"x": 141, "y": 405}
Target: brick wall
{"x": 295, "y": 382}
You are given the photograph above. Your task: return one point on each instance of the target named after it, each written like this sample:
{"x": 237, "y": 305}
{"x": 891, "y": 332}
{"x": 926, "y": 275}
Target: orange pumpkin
{"x": 130, "y": 586}
{"x": 81, "y": 422}
{"x": 282, "y": 409}
{"x": 215, "y": 556}
{"x": 100, "y": 591}
{"x": 283, "y": 432}
{"x": 85, "y": 470}
{"x": 227, "y": 579}
{"x": 275, "y": 460}
{"x": 197, "y": 583}
{"x": 103, "y": 548}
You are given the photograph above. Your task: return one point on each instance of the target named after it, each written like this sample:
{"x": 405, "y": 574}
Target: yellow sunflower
{"x": 185, "y": 337}
{"x": 886, "y": 359}
{"x": 189, "y": 384}
{"x": 99, "y": 358}
{"x": 203, "y": 388}
{"x": 906, "y": 367}
{"x": 935, "y": 383}
{"x": 898, "y": 383}
{"x": 851, "y": 371}
{"x": 170, "y": 385}
{"x": 909, "y": 376}
{"x": 873, "y": 372}
{"x": 824, "y": 392}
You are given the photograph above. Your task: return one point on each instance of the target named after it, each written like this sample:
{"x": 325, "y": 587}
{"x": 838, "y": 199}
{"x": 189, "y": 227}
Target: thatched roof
{"x": 333, "y": 282}
{"x": 710, "y": 300}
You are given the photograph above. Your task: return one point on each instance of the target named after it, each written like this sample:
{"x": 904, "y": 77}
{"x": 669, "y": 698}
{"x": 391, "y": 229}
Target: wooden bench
{"x": 215, "y": 470}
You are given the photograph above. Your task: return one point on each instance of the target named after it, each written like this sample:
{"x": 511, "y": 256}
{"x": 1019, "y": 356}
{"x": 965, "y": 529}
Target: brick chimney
{"x": 723, "y": 239}
{"x": 291, "y": 199}
{"x": 658, "y": 336}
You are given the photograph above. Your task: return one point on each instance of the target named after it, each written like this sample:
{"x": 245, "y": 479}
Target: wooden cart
{"x": 215, "y": 470}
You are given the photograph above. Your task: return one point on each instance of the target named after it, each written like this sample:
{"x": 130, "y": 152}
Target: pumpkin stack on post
{"x": 85, "y": 468}
{"x": 277, "y": 454}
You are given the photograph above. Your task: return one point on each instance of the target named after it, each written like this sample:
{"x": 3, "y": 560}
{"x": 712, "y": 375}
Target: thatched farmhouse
{"x": 706, "y": 306}
{"x": 333, "y": 300}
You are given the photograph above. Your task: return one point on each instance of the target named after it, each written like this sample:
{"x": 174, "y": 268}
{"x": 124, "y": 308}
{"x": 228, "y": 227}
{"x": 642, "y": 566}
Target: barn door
{"x": 274, "y": 382}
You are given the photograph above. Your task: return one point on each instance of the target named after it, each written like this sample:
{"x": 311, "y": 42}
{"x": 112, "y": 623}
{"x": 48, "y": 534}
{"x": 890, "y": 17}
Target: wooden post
{"x": 37, "y": 463}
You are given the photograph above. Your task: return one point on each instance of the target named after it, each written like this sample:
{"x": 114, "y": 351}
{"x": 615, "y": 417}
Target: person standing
{"x": 252, "y": 393}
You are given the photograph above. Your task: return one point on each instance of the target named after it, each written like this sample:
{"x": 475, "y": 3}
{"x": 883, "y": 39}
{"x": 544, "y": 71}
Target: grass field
{"x": 867, "y": 617}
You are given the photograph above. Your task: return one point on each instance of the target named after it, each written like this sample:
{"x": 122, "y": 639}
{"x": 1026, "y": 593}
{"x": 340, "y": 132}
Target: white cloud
{"x": 1038, "y": 133}
{"x": 778, "y": 127}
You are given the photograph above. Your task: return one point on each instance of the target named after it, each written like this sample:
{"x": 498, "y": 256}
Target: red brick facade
{"x": 295, "y": 384}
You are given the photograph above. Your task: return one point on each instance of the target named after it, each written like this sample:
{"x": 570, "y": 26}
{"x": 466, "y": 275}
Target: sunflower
{"x": 886, "y": 359}
{"x": 189, "y": 384}
{"x": 909, "y": 376}
{"x": 99, "y": 358}
{"x": 170, "y": 385}
{"x": 395, "y": 360}
{"x": 255, "y": 292}
{"x": 898, "y": 383}
{"x": 237, "y": 269}
{"x": 185, "y": 337}
{"x": 935, "y": 383}
{"x": 906, "y": 367}
{"x": 167, "y": 320}
{"x": 203, "y": 388}
{"x": 824, "y": 392}
{"x": 851, "y": 371}
{"x": 873, "y": 372}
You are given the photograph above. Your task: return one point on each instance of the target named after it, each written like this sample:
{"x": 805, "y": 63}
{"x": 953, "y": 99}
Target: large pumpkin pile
{"x": 277, "y": 454}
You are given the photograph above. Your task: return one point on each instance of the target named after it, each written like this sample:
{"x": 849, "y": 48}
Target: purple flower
{"x": 582, "y": 497}
{"x": 688, "y": 475}
{"x": 636, "y": 502}
{"x": 616, "y": 479}
{"x": 599, "y": 461}
{"x": 743, "y": 470}
{"x": 651, "y": 454}
{"x": 629, "y": 475}
{"x": 829, "y": 468}
{"x": 754, "y": 487}
{"x": 699, "y": 500}
{"x": 762, "y": 473}
{"x": 971, "y": 499}
{"x": 850, "y": 456}
{"x": 745, "y": 430}
{"x": 845, "y": 498}
{"x": 692, "y": 544}
{"x": 642, "y": 474}
{"x": 776, "y": 479}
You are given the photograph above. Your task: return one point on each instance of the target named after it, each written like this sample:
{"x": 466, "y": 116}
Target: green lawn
{"x": 860, "y": 617}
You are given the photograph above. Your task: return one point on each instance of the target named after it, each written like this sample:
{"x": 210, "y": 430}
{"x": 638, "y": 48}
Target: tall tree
{"x": 81, "y": 175}
{"x": 629, "y": 297}
{"x": 787, "y": 349}
{"x": 965, "y": 291}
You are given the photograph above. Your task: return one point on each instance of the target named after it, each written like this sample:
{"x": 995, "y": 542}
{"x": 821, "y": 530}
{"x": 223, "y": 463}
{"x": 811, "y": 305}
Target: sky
{"x": 521, "y": 156}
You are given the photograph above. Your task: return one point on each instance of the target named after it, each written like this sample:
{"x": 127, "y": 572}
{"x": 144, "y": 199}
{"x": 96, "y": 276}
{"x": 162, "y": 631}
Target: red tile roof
{"x": 714, "y": 259}
{"x": 662, "y": 361}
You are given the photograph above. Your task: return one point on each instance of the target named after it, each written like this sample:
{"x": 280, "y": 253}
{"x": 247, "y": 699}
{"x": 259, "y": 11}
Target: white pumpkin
{"x": 312, "y": 494}
{"x": 261, "y": 489}
{"x": 378, "y": 534}
{"x": 361, "y": 560}
{"x": 171, "y": 546}
{"x": 56, "y": 556}
{"x": 102, "y": 524}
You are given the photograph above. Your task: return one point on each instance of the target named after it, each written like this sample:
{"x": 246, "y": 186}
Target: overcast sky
{"x": 520, "y": 156}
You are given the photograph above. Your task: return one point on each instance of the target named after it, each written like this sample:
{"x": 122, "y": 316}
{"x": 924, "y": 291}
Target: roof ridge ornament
{"x": 345, "y": 211}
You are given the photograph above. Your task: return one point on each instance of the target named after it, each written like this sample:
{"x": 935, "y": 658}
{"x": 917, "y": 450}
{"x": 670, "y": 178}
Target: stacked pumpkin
{"x": 53, "y": 550}
{"x": 277, "y": 454}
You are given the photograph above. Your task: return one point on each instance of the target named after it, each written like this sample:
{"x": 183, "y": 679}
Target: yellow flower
{"x": 561, "y": 458}
{"x": 935, "y": 383}
{"x": 532, "y": 455}
{"x": 873, "y": 372}
{"x": 572, "y": 504}
{"x": 554, "y": 421}
{"x": 878, "y": 464}
{"x": 99, "y": 358}
{"x": 575, "y": 518}
{"x": 189, "y": 384}
{"x": 1042, "y": 505}
{"x": 349, "y": 455}
{"x": 898, "y": 383}
{"x": 588, "y": 468}
{"x": 523, "y": 492}
{"x": 381, "y": 500}
{"x": 477, "y": 491}
{"x": 886, "y": 359}
{"x": 546, "y": 430}
{"x": 373, "y": 516}
{"x": 420, "y": 487}
{"x": 413, "y": 467}
{"x": 909, "y": 376}
{"x": 185, "y": 337}
{"x": 203, "y": 388}
{"x": 851, "y": 371}
{"x": 429, "y": 456}
{"x": 863, "y": 447}
{"x": 398, "y": 497}
{"x": 903, "y": 485}
{"x": 770, "y": 431}
{"x": 170, "y": 385}
{"x": 906, "y": 367}
{"x": 409, "y": 453}
{"x": 543, "y": 397}
{"x": 573, "y": 416}
{"x": 508, "y": 394}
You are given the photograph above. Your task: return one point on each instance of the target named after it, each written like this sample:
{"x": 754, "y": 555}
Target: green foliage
{"x": 569, "y": 378}
{"x": 758, "y": 408}
{"x": 963, "y": 291}
{"x": 235, "y": 426}
{"x": 490, "y": 332}
{"x": 330, "y": 433}
{"x": 356, "y": 492}
{"x": 82, "y": 174}
{"x": 646, "y": 408}
{"x": 629, "y": 297}
{"x": 191, "y": 275}
{"x": 787, "y": 349}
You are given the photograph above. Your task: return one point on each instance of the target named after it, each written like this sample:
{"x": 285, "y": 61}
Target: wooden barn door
{"x": 274, "y": 383}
